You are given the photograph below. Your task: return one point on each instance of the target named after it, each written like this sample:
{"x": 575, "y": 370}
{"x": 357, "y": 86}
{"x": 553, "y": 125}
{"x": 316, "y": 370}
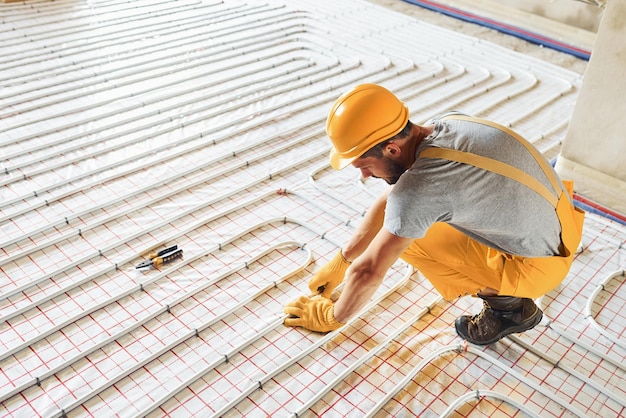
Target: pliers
{"x": 164, "y": 256}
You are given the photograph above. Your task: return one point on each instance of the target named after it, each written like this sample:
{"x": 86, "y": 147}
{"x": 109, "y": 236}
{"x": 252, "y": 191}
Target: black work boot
{"x": 501, "y": 316}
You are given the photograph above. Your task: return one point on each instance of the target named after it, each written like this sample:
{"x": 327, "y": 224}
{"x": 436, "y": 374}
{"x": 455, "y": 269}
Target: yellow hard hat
{"x": 361, "y": 118}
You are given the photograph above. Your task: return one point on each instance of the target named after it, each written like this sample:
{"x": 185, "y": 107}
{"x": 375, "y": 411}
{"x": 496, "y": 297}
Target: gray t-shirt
{"x": 495, "y": 210}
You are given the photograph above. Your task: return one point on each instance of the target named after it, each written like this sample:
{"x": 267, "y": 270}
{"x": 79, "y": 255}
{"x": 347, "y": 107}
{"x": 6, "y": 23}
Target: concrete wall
{"x": 574, "y": 13}
{"x": 594, "y": 151}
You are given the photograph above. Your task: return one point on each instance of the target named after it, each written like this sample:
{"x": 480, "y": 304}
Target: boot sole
{"x": 508, "y": 330}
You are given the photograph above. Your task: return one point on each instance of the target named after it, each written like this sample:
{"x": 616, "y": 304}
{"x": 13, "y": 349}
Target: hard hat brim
{"x": 339, "y": 163}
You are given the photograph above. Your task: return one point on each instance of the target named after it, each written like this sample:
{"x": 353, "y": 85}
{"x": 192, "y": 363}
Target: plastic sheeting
{"x": 128, "y": 127}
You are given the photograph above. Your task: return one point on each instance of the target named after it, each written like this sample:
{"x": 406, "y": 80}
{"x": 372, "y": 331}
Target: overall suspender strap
{"x": 545, "y": 166}
{"x": 491, "y": 165}
{"x": 570, "y": 217}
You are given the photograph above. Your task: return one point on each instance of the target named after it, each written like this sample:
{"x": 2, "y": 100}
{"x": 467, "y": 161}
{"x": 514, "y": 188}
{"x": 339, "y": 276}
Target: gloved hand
{"x": 330, "y": 276}
{"x": 316, "y": 314}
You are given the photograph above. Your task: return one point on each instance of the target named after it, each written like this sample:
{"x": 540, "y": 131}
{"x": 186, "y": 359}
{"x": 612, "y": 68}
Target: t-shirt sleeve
{"x": 409, "y": 213}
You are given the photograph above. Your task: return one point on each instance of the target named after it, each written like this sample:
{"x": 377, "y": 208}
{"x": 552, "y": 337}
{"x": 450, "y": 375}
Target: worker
{"x": 471, "y": 205}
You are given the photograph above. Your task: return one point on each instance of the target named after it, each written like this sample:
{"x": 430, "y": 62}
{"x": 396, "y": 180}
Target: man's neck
{"x": 419, "y": 133}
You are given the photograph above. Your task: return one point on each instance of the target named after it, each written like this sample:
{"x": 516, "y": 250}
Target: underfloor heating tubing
{"x": 464, "y": 55}
{"x": 560, "y": 364}
{"x": 347, "y": 21}
{"x": 134, "y": 289}
{"x": 322, "y": 96}
{"x": 503, "y": 27}
{"x": 63, "y": 48}
{"x": 68, "y": 125}
{"x": 22, "y": 138}
{"x": 9, "y": 169}
{"x": 155, "y": 185}
{"x": 320, "y": 393}
{"x": 319, "y": 343}
{"x": 233, "y": 125}
{"x": 154, "y": 228}
{"x": 478, "y": 394}
{"x": 37, "y": 380}
{"x": 163, "y": 274}
{"x": 225, "y": 357}
{"x": 532, "y": 82}
{"x": 171, "y": 192}
{"x": 195, "y": 331}
{"x": 59, "y": 223}
{"x": 328, "y": 71}
{"x": 94, "y": 276}
{"x": 542, "y": 81}
{"x": 288, "y": 77}
{"x": 460, "y": 348}
{"x": 161, "y": 69}
{"x": 177, "y": 189}
{"x": 261, "y": 79}
{"x": 614, "y": 338}
{"x": 457, "y": 101}
{"x": 40, "y": 10}
{"x": 292, "y": 29}
{"x": 136, "y": 94}
{"x": 62, "y": 42}
{"x": 588, "y": 347}
{"x": 463, "y": 48}
{"x": 222, "y": 358}
{"x": 561, "y": 331}
{"x": 619, "y": 243}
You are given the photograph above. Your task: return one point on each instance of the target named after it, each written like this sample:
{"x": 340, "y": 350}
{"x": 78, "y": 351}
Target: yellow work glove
{"x": 316, "y": 314}
{"x": 330, "y": 276}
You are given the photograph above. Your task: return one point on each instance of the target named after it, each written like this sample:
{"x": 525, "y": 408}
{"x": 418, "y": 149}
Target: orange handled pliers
{"x": 157, "y": 259}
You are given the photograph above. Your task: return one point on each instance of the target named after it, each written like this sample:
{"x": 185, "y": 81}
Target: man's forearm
{"x": 367, "y": 272}
{"x": 359, "y": 287}
{"x": 367, "y": 229}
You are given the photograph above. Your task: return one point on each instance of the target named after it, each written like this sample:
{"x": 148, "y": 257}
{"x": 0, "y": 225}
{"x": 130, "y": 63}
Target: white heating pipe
{"x": 157, "y": 197}
{"x": 90, "y": 309}
{"x": 320, "y": 393}
{"x": 128, "y": 25}
{"x": 559, "y": 363}
{"x": 459, "y": 348}
{"x": 15, "y": 291}
{"x": 135, "y": 235}
{"x": 57, "y": 16}
{"x": 614, "y": 338}
{"x": 192, "y": 332}
{"x": 267, "y": 40}
{"x": 320, "y": 343}
{"x": 320, "y": 96}
{"x": 483, "y": 393}
{"x": 135, "y": 33}
{"x": 37, "y": 380}
{"x": 577, "y": 341}
{"x": 158, "y": 70}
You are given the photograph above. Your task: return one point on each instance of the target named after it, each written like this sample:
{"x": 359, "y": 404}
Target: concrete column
{"x": 594, "y": 150}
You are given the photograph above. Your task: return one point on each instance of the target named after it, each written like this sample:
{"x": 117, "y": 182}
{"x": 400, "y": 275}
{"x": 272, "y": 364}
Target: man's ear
{"x": 392, "y": 150}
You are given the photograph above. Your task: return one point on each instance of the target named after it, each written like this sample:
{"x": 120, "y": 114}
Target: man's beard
{"x": 393, "y": 169}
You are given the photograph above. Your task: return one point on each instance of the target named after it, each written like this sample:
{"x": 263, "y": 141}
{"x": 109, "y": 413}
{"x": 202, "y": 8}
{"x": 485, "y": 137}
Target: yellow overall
{"x": 458, "y": 265}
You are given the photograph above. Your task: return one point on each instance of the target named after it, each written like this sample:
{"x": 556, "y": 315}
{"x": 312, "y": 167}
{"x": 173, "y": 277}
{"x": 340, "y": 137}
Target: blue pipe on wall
{"x": 503, "y": 27}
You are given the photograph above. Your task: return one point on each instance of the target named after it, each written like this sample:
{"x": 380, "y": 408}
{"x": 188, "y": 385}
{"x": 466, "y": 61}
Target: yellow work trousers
{"x": 458, "y": 265}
